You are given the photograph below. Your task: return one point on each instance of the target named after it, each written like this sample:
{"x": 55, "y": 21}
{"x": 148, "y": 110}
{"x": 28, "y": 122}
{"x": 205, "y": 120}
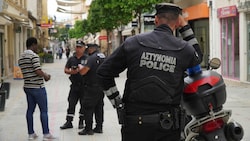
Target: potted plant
{"x": 48, "y": 58}
{"x": 41, "y": 56}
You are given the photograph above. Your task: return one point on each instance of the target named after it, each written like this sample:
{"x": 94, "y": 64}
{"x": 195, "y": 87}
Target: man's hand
{"x": 74, "y": 71}
{"x": 46, "y": 77}
{"x": 182, "y": 21}
{"x": 80, "y": 66}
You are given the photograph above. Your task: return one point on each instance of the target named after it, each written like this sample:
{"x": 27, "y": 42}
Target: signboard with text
{"x": 224, "y": 12}
{"x": 46, "y": 22}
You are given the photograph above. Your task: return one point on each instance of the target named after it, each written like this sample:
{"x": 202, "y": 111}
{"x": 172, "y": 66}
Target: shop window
{"x": 230, "y": 47}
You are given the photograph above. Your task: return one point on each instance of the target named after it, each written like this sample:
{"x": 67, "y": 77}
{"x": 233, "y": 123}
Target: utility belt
{"x": 168, "y": 120}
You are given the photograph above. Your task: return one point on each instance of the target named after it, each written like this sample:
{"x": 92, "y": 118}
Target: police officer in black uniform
{"x": 156, "y": 61}
{"x": 77, "y": 82}
{"x": 93, "y": 95}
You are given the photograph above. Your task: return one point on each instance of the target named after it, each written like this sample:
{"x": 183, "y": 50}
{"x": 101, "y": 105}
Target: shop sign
{"x": 230, "y": 11}
{"x": 149, "y": 19}
{"x": 46, "y": 25}
{"x": 103, "y": 37}
{"x": 134, "y": 24}
{"x": 46, "y": 22}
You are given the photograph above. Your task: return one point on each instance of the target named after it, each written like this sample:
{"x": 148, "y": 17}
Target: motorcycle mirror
{"x": 215, "y": 63}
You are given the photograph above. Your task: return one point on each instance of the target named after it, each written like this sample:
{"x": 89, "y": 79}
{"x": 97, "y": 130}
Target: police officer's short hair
{"x": 169, "y": 11}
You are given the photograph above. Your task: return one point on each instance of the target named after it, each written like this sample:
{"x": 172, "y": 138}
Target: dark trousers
{"x": 148, "y": 132}
{"x": 75, "y": 95}
{"x": 93, "y": 105}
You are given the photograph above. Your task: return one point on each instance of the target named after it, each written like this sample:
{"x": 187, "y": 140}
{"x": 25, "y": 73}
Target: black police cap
{"x": 92, "y": 45}
{"x": 80, "y": 43}
{"x": 167, "y": 7}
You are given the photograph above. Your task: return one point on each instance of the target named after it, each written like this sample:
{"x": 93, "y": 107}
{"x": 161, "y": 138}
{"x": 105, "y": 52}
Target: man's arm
{"x": 71, "y": 70}
{"x": 83, "y": 69}
{"x": 43, "y": 74}
{"x": 188, "y": 35}
{"x": 108, "y": 70}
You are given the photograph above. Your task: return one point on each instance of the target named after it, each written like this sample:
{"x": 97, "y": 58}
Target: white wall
{"x": 32, "y": 7}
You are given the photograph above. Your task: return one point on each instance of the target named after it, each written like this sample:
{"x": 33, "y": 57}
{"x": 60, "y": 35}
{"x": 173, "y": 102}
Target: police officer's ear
{"x": 178, "y": 23}
{"x": 156, "y": 20}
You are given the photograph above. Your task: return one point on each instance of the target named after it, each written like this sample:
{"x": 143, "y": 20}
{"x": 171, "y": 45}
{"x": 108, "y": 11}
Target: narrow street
{"x": 13, "y": 123}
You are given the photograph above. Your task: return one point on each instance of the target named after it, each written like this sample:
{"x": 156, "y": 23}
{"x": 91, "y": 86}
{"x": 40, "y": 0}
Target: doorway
{"x": 1, "y": 55}
{"x": 230, "y": 47}
{"x": 201, "y": 32}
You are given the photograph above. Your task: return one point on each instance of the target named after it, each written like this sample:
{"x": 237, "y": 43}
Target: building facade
{"x": 243, "y": 8}
{"x": 13, "y": 30}
{"x": 19, "y": 19}
{"x": 223, "y": 31}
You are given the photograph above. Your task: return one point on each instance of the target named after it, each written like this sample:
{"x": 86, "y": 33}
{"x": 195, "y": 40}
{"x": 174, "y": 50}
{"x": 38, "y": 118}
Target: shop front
{"x": 199, "y": 22}
{"x": 243, "y": 8}
{"x": 229, "y": 37}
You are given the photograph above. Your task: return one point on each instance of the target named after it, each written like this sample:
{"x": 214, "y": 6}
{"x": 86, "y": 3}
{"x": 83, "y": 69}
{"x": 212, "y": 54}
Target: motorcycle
{"x": 203, "y": 99}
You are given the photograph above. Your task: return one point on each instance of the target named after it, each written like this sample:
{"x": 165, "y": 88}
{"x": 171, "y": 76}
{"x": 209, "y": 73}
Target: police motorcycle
{"x": 203, "y": 99}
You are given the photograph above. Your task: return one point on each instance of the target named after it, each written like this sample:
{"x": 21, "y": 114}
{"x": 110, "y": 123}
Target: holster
{"x": 119, "y": 105}
{"x": 167, "y": 120}
{"x": 121, "y": 115}
{"x": 170, "y": 119}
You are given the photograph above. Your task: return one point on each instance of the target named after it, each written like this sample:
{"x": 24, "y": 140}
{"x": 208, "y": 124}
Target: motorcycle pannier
{"x": 204, "y": 92}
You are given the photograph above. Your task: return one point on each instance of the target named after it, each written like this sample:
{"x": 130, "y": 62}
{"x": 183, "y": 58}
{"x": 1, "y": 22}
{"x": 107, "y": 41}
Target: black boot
{"x": 98, "y": 129}
{"x": 86, "y": 132}
{"x": 67, "y": 125}
{"x": 80, "y": 125}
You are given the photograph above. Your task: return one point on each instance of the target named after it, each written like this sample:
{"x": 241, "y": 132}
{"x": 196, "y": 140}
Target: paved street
{"x": 13, "y": 122}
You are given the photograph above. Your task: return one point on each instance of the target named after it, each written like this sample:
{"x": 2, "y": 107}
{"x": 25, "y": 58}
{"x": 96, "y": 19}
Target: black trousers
{"x": 93, "y": 105}
{"x": 75, "y": 94}
{"x": 148, "y": 132}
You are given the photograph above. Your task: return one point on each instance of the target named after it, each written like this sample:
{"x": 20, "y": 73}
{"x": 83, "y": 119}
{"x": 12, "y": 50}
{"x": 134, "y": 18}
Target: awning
{"x": 3, "y": 21}
{"x": 128, "y": 31}
{"x": 62, "y": 10}
{"x": 30, "y": 25}
{"x": 191, "y": 13}
{"x": 68, "y": 3}
{"x": 13, "y": 17}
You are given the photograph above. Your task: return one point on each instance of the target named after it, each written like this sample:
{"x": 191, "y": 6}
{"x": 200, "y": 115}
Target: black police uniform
{"x": 93, "y": 95}
{"x": 155, "y": 63}
{"x": 76, "y": 88}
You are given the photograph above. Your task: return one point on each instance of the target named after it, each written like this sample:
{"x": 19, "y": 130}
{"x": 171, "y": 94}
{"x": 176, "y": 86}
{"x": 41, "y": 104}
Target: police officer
{"x": 155, "y": 63}
{"x": 93, "y": 97}
{"x": 77, "y": 83}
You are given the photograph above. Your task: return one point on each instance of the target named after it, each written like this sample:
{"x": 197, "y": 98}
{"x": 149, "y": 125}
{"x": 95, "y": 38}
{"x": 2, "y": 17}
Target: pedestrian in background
{"x": 77, "y": 83}
{"x": 60, "y": 52}
{"x": 67, "y": 52}
{"x": 155, "y": 61}
{"x": 34, "y": 88}
{"x": 93, "y": 95}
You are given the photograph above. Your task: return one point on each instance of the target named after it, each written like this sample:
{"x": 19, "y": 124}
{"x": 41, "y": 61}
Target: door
{"x": 248, "y": 48}
{"x": 230, "y": 47}
{"x": 201, "y": 32}
{"x": 1, "y": 56}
